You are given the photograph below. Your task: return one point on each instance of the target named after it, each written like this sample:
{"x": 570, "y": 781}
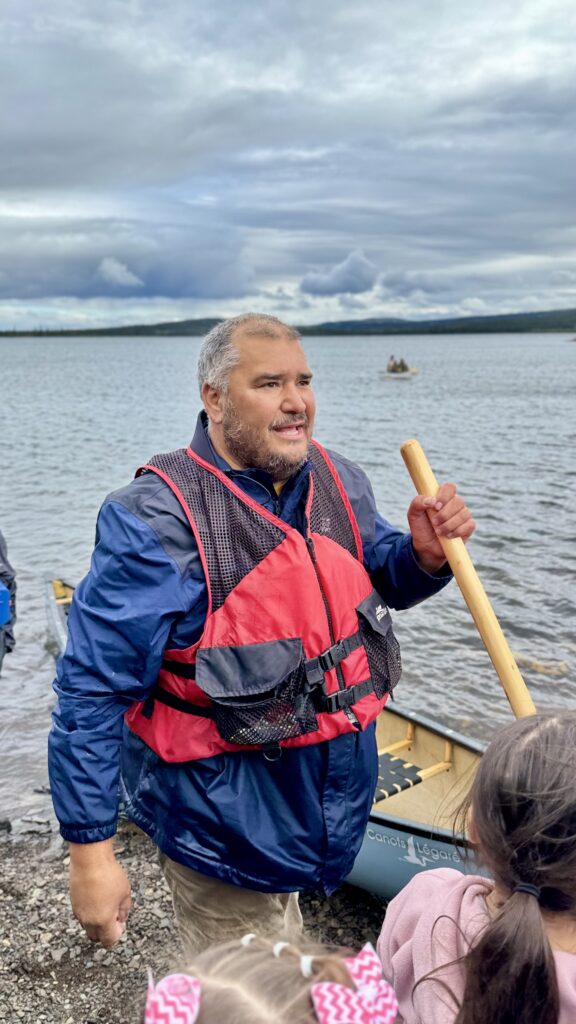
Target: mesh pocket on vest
{"x": 382, "y": 647}
{"x": 279, "y": 716}
{"x": 257, "y": 691}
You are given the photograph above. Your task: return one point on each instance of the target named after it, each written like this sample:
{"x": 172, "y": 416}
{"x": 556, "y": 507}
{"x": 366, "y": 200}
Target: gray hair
{"x": 218, "y": 355}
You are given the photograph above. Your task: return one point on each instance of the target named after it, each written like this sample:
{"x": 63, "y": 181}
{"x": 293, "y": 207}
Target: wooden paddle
{"x": 474, "y": 594}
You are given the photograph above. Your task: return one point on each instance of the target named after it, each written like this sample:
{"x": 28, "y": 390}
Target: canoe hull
{"x": 412, "y": 831}
{"x": 403, "y": 375}
{"x": 393, "y": 852}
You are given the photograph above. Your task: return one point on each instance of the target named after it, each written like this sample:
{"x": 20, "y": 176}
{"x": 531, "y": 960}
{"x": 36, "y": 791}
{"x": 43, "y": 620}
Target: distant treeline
{"x": 553, "y": 320}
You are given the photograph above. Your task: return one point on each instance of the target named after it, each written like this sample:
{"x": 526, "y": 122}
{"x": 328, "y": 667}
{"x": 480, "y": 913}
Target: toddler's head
{"x": 256, "y": 981}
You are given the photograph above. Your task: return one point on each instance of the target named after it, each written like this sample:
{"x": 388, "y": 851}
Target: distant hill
{"x": 173, "y": 327}
{"x": 552, "y": 320}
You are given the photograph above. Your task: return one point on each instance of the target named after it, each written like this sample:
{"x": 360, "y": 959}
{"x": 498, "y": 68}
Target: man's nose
{"x": 293, "y": 399}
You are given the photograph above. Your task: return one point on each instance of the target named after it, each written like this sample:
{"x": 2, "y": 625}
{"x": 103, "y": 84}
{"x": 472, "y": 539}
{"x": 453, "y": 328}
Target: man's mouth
{"x": 291, "y": 431}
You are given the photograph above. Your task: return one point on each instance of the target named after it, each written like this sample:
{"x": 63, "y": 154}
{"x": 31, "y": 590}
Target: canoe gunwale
{"x": 56, "y": 614}
{"x": 410, "y": 825}
{"x": 445, "y": 732}
{"x": 416, "y": 828}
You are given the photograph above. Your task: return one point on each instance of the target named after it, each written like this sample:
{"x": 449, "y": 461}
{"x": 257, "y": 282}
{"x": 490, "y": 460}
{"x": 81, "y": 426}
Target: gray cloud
{"x": 105, "y": 256}
{"x": 114, "y": 272}
{"x": 354, "y": 274}
{"x": 216, "y": 153}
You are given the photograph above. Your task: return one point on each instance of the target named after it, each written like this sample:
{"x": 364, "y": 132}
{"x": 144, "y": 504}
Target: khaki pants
{"x": 209, "y": 911}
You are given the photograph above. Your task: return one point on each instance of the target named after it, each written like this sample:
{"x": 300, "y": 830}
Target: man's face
{"x": 267, "y": 414}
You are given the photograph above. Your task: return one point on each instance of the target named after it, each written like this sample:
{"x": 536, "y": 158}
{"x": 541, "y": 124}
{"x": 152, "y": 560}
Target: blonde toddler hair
{"x": 249, "y": 984}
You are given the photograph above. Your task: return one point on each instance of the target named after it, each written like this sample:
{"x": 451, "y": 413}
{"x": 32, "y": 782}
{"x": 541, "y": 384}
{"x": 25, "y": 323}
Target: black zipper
{"x": 339, "y": 674}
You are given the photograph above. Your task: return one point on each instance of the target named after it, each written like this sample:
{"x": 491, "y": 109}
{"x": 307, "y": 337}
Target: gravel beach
{"x": 50, "y": 972}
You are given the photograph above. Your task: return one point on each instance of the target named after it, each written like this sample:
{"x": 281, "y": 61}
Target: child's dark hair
{"x": 523, "y": 804}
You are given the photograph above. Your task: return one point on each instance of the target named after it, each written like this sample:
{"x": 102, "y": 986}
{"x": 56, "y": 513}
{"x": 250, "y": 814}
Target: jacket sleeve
{"x": 8, "y": 578}
{"x": 119, "y": 624}
{"x": 388, "y": 553}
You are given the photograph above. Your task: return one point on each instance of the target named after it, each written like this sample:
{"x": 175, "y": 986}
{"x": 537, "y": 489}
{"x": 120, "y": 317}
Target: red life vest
{"x": 297, "y": 646}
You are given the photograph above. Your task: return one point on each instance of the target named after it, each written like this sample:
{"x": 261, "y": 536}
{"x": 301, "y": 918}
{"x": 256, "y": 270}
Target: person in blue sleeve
{"x": 225, "y": 655}
{"x": 7, "y": 602}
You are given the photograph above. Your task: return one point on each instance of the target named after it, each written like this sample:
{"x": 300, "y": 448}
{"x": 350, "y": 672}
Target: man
{"x": 228, "y": 655}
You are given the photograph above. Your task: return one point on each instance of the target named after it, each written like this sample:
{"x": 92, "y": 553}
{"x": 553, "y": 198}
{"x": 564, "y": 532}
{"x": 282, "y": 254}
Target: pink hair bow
{"x": 174, "y": 1000}
{"x": 372, "y": 1001}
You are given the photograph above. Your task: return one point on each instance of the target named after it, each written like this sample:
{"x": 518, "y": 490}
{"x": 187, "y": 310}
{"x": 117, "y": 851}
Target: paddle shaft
{"x": 474, "y": 594}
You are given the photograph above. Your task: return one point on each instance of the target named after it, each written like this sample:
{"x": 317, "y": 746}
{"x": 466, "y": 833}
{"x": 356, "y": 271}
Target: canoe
{"x": 403, "y": 375}
{"x": 424, "y": 771}
{"x": 58, "y": 597}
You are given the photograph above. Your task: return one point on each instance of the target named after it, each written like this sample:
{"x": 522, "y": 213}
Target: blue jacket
{"x": 273, "y": 826}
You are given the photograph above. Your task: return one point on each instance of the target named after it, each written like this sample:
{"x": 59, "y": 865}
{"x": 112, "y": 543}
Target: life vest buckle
{"x": 333, "y": 656}
{"x": 317, "y": 667}
{"x": 332, "y": 702}
{"x": 341, "y": 699}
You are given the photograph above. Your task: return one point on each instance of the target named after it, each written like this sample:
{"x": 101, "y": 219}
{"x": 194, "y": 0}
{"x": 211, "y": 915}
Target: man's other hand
{"x": 99, "y": 891}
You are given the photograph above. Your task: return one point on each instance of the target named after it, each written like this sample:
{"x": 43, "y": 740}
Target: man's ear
{"x": 213, "y": 402}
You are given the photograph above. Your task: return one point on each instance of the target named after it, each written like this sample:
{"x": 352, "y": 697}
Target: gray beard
{"x": 245, "y": 445}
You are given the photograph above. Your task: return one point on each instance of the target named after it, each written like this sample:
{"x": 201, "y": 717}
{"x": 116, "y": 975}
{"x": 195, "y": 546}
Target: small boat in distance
{"x": 58, "y": 596}
{"x": 399, "y": 369}
{"x": 400, "y": 374}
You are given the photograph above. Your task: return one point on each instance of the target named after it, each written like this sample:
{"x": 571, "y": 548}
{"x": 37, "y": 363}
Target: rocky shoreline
{"x": 50, "y": 973}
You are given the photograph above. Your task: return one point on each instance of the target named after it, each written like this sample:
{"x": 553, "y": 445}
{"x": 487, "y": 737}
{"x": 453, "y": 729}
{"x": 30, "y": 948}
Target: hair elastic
{"x": 277, "y": 949}
{"x": 531, "y": 890}
{"x": 306, "y": 965}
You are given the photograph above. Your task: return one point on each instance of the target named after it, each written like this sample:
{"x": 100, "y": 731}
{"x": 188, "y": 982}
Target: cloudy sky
{"x": 317, "y": 159}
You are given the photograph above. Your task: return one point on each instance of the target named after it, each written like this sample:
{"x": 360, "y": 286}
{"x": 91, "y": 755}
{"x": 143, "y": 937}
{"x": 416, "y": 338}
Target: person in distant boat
{"x": 465, "y": 949}
{"x": 397, "y": 365}
{"x": 7, "y": 602}
{"x": 229, "y": 652}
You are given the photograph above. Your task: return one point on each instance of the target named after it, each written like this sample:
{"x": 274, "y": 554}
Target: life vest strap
{"x": 332, "y": 702}
{"x": 179, "y": 668}
{"x": 329, "y": 702}
{"x": 317, "y": 667}
{"x": 173, "y": 701}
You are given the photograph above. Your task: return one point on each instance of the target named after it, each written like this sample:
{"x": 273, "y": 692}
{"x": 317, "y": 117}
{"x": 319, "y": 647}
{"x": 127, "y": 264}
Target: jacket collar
{"x": 202, "y": 445}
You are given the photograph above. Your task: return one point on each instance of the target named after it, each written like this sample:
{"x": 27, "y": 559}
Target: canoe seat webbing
{"x": 394, "y": 775}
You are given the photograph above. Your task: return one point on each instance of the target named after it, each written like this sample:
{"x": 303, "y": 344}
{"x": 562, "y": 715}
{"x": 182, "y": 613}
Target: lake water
{"x": 494, "y": 413}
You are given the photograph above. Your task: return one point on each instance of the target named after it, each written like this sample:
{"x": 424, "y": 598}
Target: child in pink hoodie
{"x": 462, "y": 949}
